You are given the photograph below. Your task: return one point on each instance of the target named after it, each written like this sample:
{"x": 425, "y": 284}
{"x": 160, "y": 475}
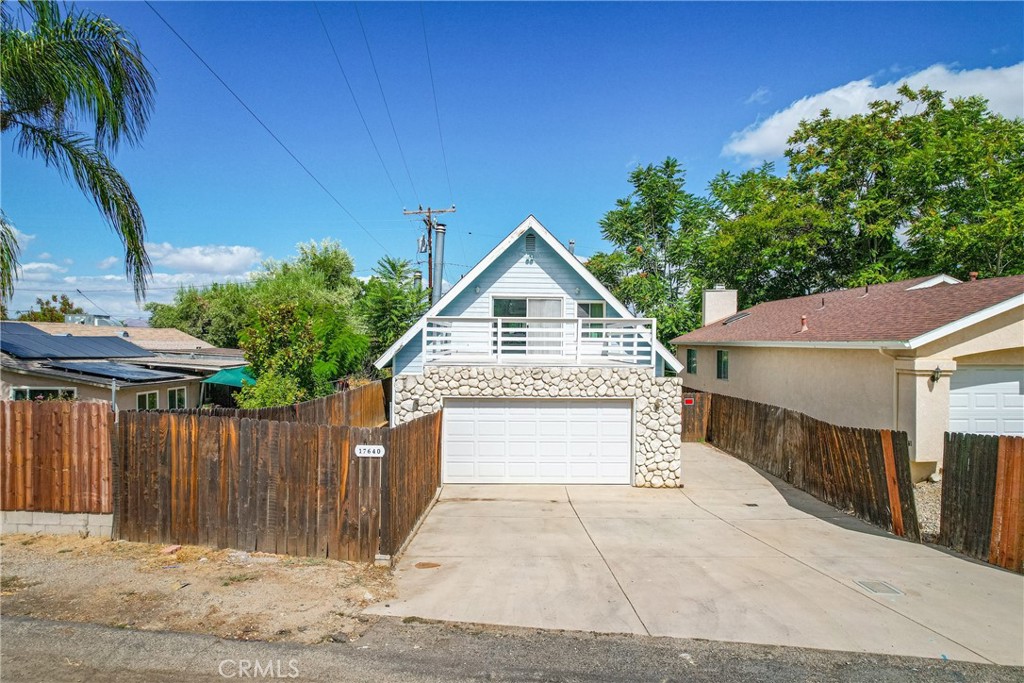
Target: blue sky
{"x": 544, "y": 109}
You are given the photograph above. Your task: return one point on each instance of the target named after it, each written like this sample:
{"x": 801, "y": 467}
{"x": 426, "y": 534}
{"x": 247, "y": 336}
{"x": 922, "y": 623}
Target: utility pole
{"x": 431, "y": 222}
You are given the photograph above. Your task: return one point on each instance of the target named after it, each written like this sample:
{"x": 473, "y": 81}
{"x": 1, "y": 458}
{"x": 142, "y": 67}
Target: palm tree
{"x": 62, "y": 70}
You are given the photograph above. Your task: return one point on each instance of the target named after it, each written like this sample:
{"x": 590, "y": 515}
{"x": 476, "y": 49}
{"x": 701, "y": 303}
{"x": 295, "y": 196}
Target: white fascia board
{"x": 966, "y": 321}
{"x": 531, "y": 222}
{"x": 457, "y": 288}
{"x": 591, "y": 280}
{"x": 937, "y": 280}
{"x": 800, "y": 345}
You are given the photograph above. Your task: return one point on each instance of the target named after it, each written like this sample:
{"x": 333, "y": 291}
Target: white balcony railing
{"x": 539, "y": 341}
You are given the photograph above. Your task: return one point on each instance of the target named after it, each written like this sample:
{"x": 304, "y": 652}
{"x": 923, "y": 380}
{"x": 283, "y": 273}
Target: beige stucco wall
{"x": 126, "y": 396}
{"x": 867, "y": 388}
{"x": 827, "y": 384}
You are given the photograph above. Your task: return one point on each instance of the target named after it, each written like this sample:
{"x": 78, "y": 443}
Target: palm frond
{"x": 81, "y": 65}
{"x": 9, "y": 252}
{"x": 75, "y": 156}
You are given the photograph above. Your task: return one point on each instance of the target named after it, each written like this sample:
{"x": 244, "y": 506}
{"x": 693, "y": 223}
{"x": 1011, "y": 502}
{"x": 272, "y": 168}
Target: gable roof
{"x": 38, "y": 345}
{"x": 905, "y": 314}
{"x": 531, "y": 223}
{"x": 152, "y": 338}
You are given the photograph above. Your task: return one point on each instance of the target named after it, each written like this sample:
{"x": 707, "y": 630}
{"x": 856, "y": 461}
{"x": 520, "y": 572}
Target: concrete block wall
{"x": 57, "y": 523}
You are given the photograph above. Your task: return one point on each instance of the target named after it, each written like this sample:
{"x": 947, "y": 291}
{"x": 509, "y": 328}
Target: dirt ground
{"x": 226, "y": 593}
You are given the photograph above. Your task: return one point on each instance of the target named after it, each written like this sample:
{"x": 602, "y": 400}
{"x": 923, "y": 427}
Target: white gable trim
{"x": 937, "y": 280}
{"x": 503, "y": 246}
{"x": 966, "y": 321}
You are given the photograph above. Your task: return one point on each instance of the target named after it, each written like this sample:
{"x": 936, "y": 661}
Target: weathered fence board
{"x": 56, "y": 456}
{"x": 251, "y": 484}
{"x": 695, "y": 415}
{"x": 412, "y": 474}
{"x": 863, "y": 470}
{"x": 364, "y": 406}
{"x": 983, "y": 498}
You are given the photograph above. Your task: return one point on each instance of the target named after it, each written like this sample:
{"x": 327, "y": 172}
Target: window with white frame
{"x": 147, "y": 400}
{"x": 43, "y": 393}
{"x": 176, "y": 398}
{"x": 590, "y": 309}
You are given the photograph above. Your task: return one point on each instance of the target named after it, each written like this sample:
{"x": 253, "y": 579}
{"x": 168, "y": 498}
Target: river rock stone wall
{"x": 657, "y": 403}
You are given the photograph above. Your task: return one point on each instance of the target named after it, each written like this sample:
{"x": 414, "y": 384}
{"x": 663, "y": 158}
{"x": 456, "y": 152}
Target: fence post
{"x": 385, "y": 549}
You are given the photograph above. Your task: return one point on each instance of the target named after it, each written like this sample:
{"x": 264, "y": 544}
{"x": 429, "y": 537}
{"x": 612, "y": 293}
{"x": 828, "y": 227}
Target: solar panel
{"x": 37, "y": 346}
{"x": 121, "y": 371}
{"x": 8, "y": 327}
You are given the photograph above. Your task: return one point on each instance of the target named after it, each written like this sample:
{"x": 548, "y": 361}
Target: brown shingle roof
{"x": 163, "y": 338}
{"x": 881, "y": 313}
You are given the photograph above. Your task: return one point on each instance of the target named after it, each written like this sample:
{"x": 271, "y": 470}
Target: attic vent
{"x": 734, "y": 318}
{"x": 531, "y": 243}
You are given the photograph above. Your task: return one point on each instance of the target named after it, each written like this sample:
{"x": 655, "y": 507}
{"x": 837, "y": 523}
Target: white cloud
{"x": 36, "y": 271}
{"x": 759, "y": 96}
{"x": 213, "y": 258}
{"x": 22, "y": 238}
{"x": 767, "y": 139}
{"x": 108, "y": 263}
{"x": 46, "y": 256}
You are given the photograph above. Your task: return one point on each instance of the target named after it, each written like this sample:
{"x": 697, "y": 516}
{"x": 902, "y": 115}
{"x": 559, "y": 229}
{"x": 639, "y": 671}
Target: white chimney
{"x": 718, "y": 304}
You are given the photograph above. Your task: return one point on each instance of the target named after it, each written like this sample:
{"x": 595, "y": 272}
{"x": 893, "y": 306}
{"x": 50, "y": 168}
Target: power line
{"x": 437, "y": 112}
{"x": 355, "y": 101}
{"x": 265, "y": 127}
{"x": 394, "y": 130}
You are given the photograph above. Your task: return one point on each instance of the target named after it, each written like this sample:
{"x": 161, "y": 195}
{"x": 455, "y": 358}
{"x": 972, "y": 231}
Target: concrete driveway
{"x": 734, "y": 556}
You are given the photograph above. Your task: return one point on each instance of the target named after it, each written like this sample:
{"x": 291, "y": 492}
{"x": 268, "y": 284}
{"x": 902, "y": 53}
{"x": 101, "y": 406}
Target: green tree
{"x": 51, "y": 310}
{"x": 770, "y": 241}
{"x": 920, "y": 184}
{"x": 658, "y": 232}
{"x": 61, "y": 70}
{"x": 391, "y": 303}
{"x": 216, "y": 314}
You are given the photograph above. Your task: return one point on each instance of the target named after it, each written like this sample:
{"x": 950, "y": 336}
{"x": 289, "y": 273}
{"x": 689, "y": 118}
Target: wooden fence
{"x": 983, "y": 498}
{"x": 363, "y": 406}
{"x": 866, "y": 470}
{"x": 696, "y": 415}
{"x": 412, "y": 475}
{"x": 280, "y": 487}
{"x": 56, "y": 456}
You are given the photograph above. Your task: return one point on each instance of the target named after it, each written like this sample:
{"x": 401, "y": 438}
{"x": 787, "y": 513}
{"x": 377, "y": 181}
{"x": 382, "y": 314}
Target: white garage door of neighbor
{"x": 987, "y": 400}
{"x": 526, "y": 441}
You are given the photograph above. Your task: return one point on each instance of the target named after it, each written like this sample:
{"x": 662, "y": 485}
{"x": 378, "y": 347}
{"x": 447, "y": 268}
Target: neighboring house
{"x": 923, "y": 356}
{"x": 37, "y": 365}
{"x": 150, "y": 338}
{"x": 543, "y": 375}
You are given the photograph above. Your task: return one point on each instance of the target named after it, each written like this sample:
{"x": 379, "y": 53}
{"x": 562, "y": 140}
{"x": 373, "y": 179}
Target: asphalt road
{"x": 393, "y": 651}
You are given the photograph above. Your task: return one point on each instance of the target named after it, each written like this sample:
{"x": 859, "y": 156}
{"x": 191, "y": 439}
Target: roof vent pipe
{"x": 572, "y": 247}
{"x": 439, "y": 230}
{"x": 803, "y": 323}
{"x": 974, "y": 275}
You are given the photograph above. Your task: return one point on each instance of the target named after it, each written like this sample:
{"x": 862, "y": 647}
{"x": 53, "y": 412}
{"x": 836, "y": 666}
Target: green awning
{"x": 232, "y": 377}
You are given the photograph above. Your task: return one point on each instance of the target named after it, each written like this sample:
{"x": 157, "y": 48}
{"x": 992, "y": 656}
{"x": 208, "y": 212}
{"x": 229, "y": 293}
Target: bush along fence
{"x": 983, "y": 498}
{"x": 863, "y": 470}
{"x": 363, "y": 406}
{"x": 56, "y": 457}
{"x": 297, "y": 488}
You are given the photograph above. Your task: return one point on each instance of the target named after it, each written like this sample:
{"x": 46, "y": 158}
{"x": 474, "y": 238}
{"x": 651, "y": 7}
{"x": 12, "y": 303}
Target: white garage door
{"x": 526, "y": 441}
{"x": 987, "y": 400}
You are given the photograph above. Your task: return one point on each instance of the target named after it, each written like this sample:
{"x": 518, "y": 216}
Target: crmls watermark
{"x": 254, "y": 668}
